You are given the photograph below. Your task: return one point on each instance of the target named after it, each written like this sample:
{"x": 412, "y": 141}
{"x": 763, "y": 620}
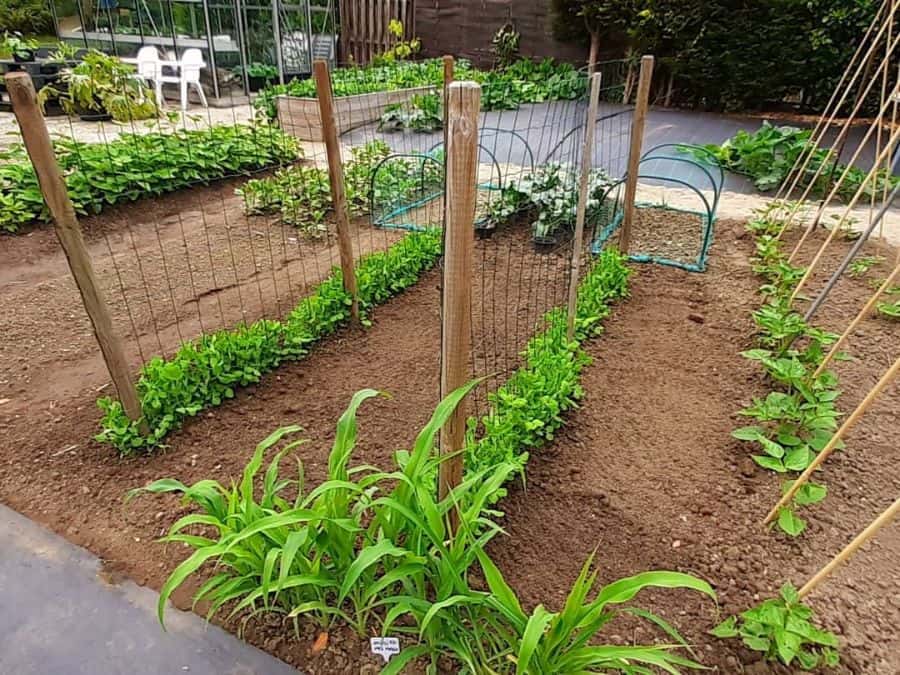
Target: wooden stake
{"x": 886, "y": 516}
{"x": 634, "y": 155}
{"x": 859, "y": 317}
{"x": 37, "y": 142}
{"x": 464, "y": 103}
{"x": 587, "y": 156}
{"x": 594, "y": 51}
{"x": 848, "y": 424}
{"x": 336, "y": 178}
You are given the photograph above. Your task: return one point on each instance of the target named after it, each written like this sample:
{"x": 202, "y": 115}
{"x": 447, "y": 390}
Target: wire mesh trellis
{"x": 239, "y": 224}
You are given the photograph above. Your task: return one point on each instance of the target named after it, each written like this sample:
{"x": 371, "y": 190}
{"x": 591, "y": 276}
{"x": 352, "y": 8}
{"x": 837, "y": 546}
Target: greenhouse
{"x": 244, "y": 43}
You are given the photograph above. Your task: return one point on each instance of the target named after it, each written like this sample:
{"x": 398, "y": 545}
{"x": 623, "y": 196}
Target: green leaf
{"x": 751, "y": 433}
{"x": 789, "y": 522}
{"x": 531, "y": 637}
{"x": 726, "y": 629}
{"x": 770, "y": 463}
{"x": 810, "y": 493}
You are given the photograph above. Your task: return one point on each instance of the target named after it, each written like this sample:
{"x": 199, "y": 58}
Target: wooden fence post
{"x": 587, "y": 156}
{"x": 65, "y": 224}
{"x": 464, "y": 103}
{"x": 634, "y": 155}
{"x": 886, "y": 516}
{"x": 336, "y": 179}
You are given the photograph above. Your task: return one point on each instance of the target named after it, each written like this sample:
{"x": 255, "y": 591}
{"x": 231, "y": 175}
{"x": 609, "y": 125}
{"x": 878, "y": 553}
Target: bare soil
{"x": 667, "y": 233}
{"x": 647, "y": 474}
{"x": 645, "y": 470}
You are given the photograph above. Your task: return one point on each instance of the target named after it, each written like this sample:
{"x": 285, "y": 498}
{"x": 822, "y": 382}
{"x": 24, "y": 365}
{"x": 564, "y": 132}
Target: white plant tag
{"x": 386, "y": 647}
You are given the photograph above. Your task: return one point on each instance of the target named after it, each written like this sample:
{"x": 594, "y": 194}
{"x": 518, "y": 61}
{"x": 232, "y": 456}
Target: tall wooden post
{"x": 587, "y": 155}
{"x": 336, "y": 178}
{"x": 464, "y": 102}
{"x": 449, "y": 68}
{"x": 65, "y": 224}
{"x": 634, "y": 154}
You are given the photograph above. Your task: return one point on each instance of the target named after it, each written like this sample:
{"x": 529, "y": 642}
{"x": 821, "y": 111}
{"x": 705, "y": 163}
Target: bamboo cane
{"x": 876, "y": 124}
{"x": 861, "y": 98}
{"x": 825, "y": 113}
{"x": 850, "y": 422}
{"x": 838, "y": 141}
{"x": 859, "y": 317}
{"x": 886, "y": 516}
{"x": 834, "y": 230}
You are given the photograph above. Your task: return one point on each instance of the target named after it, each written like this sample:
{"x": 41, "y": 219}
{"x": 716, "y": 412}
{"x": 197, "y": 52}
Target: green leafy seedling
{"x": 783, "y": 630}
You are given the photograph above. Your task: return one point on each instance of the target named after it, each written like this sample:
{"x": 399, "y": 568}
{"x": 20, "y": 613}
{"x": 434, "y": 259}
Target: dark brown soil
{"x": 647, "y": 474}
{"x": 646, "y": 470}
{"x": 170, "y": 269}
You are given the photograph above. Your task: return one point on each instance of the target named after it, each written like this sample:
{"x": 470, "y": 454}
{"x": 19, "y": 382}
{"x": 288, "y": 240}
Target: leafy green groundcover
{"x": 767, "y": 155}
{"x": 527, "y": 410}
{"x": 207, "y": 371}
{"x": 139, "y": 165}
{"x": 524, "y": 81}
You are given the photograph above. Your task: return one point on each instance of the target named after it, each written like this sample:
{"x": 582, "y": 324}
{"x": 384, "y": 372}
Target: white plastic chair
{"x": 148, "y": 69}
{"x": 189, "y": 73}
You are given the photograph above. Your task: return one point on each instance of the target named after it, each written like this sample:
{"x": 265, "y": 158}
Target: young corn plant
{"x": 364, "y": 546}
{"x": 782, "y": 628}
{"x": 564, "y": 642}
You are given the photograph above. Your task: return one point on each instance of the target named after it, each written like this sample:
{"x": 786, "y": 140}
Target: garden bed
{"x": 654, "y": 430}
{"x": 666, "y": 233}
{"x": 300, "y": 116}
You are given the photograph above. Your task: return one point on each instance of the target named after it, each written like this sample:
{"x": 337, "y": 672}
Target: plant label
{"x": 386, "y": 647}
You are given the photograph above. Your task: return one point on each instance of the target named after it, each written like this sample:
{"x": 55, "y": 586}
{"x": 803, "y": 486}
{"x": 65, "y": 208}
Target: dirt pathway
{"x": 646, "y": 471}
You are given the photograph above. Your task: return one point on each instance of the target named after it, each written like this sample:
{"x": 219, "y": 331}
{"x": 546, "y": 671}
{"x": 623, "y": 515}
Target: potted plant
{"x": 21, "y": 49}
{"x": 102, "y": 87}
{"x": 259, "y": 75}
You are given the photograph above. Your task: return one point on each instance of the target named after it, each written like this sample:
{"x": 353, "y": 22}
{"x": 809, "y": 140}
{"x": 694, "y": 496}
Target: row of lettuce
{"x": 505, "y": 88}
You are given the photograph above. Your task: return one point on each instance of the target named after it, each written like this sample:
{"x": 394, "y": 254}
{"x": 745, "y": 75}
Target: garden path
{"x": 64, "y": 615}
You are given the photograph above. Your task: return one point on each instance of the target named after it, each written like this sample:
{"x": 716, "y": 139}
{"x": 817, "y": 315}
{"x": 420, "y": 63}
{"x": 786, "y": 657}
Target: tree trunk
{"x": 670, "y": 89}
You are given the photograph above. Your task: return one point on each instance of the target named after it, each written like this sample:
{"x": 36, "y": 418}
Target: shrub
{"x": 134, "y": 166}
{"x": 731, "y": 55}
{"x": 767, "y": 155}
{"x": 25, "y": 16}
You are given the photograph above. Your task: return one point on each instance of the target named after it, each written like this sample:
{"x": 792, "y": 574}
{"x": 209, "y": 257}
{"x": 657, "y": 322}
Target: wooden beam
{"x": 37, "y": 142}
{"x": 634, "y": 155}
{"x": 336, "y": 179}
{"x": 587, "y": 156}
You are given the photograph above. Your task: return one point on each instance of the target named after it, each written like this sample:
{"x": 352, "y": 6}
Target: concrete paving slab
{"x": 58, "y": 617}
